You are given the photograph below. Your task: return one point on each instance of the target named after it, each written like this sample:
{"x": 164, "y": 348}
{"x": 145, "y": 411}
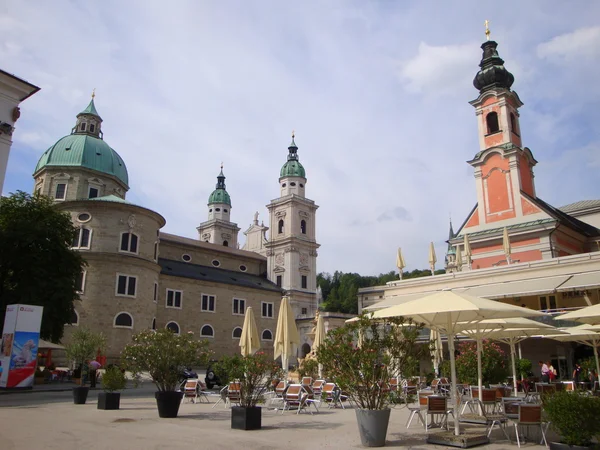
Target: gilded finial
{"x": 93, "y": 93}
{"x": 487, "y": 29}
{"x": 293, "y": 134}
{"x": 221, "y": 165}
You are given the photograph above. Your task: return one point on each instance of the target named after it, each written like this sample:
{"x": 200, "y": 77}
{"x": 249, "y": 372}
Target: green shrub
{"x": 523, "y": 367}
{"x": 574, "y": 416}
{"x": 493, "y": 363}
{"x": 309, "y": 368}
{"x": 113, "y": 379}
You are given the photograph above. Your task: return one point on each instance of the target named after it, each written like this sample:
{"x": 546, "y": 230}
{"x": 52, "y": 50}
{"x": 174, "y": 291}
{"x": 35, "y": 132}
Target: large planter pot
{"x": 109, "y": 400}
{"x": 168, "y": 403}
{"x": 246, "y": 418}
{"x": 80, "y": 395}
{"x": 559, "y": 446}
{"x": 372, "y": 426}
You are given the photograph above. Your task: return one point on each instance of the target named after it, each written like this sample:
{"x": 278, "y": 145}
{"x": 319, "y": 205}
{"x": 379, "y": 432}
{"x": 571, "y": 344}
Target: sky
{"x": 376, "y": 91}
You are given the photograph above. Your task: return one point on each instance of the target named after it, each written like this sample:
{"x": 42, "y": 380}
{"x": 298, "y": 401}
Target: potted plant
{"x": 361, "y": 357}
{"x": 253, "y": 374}
{"x": 113, "y": 380}
{"x": 574, "y": 417}
{"x": 164, "y": 354}
{"x": 83, "y": 345}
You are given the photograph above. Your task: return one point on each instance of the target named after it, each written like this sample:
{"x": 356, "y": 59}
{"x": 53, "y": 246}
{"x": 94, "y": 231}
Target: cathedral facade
{"x": 138, "y": 277}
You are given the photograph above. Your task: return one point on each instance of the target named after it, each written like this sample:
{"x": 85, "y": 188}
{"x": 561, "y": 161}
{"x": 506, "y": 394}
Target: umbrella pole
{"x": 320, "y": 370}
{"x": 596, "y": 343}
{"x": 479, "y": 372}
{"x": 514, "y": 366}
{"x": 453, "y": 375}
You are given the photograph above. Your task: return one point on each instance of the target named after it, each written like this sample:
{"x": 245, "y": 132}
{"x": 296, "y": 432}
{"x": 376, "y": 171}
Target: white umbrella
{"x": 319, "y": 338}
{"x": 400, "y": 264}
{"x": 437, "y": 354}
{"x": 506, "y": 244}
{"x": 249, "y": 340}
{"x": 445, "y": 311}
{"x": 287, "y": 337}
{"x": 467, "y": 250}
{"x": 589, "y": 315}
{"x": 432, "y": 258}
{"x": 458, "y": 257}
{"x": 582, "y": 335}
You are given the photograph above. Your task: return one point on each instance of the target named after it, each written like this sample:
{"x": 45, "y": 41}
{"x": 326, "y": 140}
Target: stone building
{"x": 552, "y": 260}
{"x": 139, "y": 277}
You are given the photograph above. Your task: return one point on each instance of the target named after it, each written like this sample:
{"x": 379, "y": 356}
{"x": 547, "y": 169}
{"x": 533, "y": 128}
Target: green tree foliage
{"x": 37, "y": 266}
{"x": 494, "y": 366}
{"x": 340, "y": 290}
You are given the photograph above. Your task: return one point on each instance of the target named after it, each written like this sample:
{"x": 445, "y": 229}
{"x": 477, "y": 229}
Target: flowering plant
{"x": 164, "y": 355}
{"x": 84, "y": 344}
{"x": 254, "y": 373}
{"x": 494, "y": 367}
{"x": 362, "y": 356}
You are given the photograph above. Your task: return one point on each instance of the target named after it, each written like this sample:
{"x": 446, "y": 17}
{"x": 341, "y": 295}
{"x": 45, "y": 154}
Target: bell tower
{"x": 292, "y": 246}
{"x": 503, "y": 168}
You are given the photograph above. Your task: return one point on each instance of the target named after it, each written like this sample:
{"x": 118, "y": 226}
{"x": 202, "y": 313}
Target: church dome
{"x": 84, "y": 147}
{"x": 81, "y": 150}
{"x": 220, "y": 194}
{"x": 492, "y": 74}
{"x": 292, "y": 168}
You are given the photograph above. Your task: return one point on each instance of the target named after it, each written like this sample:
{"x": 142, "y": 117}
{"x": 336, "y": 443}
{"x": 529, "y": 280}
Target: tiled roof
{"x": 208, "y": 246}
{"x": 579, "y": 206}
{"x": 205, "y": 273}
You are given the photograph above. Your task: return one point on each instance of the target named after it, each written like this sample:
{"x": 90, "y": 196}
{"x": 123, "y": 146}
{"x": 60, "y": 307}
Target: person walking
{"x": 551, "y": 371}
{"x": 577, "y": 373}
{"x": 544, "y": 370}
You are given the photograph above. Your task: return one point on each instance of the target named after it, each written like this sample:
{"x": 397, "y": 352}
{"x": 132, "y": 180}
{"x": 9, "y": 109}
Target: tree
{"x": 37, "y": 265}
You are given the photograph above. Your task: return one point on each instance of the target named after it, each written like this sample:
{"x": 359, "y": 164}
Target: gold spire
{"x": 221, "y": 166}
{"x": 487, "y": 29}
{"x": 93, "y": 93}
{"x": 293, "y": 134}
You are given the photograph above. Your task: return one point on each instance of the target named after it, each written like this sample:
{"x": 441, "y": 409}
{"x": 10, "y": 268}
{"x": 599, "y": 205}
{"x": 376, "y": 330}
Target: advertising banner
{"x": 19, "y": 347}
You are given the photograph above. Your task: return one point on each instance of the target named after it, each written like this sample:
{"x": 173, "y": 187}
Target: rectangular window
{"x": 82, "y": 238}
{"x": 80, "y": 282}
{"x": 155, "y": 251}
{"x": 239, "y": 306}
{"x": 548, "y": 303}
{"x": 174, "y": 298}
{"x": 83, "y": 126}
{"x": 304, "y": 281}
{"x": 155, "y": 296}
{"x": 92, "y": 127}
{"x": 208, "y": 303}
{"x": 304, "y": 311}
{"x": 93, "y": 193}
{"x": 126, "y": 285}
{"x": 279, "y": 280}
{"x": 61, "y": 191}
{"x": 129, "y": 242}
{"x": 267, "y": 310}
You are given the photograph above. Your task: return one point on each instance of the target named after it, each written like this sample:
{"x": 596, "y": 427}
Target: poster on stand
{"x": 19, "y": 347}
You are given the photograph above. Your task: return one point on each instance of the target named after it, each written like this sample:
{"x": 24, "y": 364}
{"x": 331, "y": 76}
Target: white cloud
{"x": 581, "y": 43}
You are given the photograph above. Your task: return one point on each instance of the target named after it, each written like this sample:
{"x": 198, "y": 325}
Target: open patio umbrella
{"x": 319, "y": 338}
{"x": 400, "y": 264}
{"x": 506, "y": 244}
{"x": 467, "y": 250}
{"x": 584, "y": 336}
{"x": 445, "y": 311}
{"x": 249, "y": 340}
{"x": 437, "y": 354}
{"x": 432, "y": 258}
{"x": 589, "y": 315}
{"x": 287, "y": 337}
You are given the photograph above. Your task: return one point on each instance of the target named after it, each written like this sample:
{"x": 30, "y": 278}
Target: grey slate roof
{"x": 205, "y": 273}
{"x": 580, "y": 205}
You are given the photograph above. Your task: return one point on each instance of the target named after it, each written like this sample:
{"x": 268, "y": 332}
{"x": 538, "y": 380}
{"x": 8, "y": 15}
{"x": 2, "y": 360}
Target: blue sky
{"x": 377, "y": 93}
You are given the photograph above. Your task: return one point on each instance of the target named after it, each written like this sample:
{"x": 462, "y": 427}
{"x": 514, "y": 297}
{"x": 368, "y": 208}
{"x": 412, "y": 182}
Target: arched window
{"x": 237, "y": 333}
{"x": 154, "y": 323}
{"x": 492, "y": 123}
{"x": 207, "y": 331}
{"x": 513, "y": 124}
{"x": 82, "y": 238}
{"x": 303, "y": 226}
{"x": 280, "y": 226}
{"x": 75, "y": 318}
{"x": 129, "y": 242}
{"x": 83, "y": 126}
{"x": 92, "y": 127}
{"x": 267, "y": 335}
{"x": 124, "y": 320}
{"x": 225, "y": 244}
{"x": 173, "y": 326}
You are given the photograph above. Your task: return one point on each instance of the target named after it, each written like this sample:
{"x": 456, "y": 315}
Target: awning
{"x": 534, "y": 286}
{"x": 398, "y": 299}
{"x": 46, "y": 344}
{"x": 582, "y": 281}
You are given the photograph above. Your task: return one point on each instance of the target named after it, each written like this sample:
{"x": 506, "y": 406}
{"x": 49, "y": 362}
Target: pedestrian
{"x": 544, "y": 370}
{"x": 94, "y": 366}
{"x": 551, "y": 371}
{"x": 577, "y": 373}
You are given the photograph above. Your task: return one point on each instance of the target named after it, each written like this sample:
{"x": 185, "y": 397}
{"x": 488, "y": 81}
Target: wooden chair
{"x": 437, "y": 406}
{"x": 317, "y": 387}
{"x": 542, "y": 388}
{"x": 419, "y": 408}
{"x": 393, "y": 383}
{"x": 294, "y": 396}
{"x": 234, "y": 394}
{"x": 190, "y": 390}
{"x": 510, "y": 406}
{"x": 569, "y": 385}
{"x": 331, "y": 394}
{"x": 530, "y": 415}
{"x": 311, "y": 398}
{"x": 307, "y": 381}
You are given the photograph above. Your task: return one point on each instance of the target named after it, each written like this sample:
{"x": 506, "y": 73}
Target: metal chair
{"x": 530, "y": 415}
{"x": 437, "y": 406}
{"x": 417, "y": 409}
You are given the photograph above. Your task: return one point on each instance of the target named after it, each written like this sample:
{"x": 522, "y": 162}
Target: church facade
{"x": 138, "y": 277}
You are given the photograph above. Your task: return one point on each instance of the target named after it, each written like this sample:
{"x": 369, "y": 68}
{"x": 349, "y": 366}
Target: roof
{"x": 205, "y": 273}
{"x": 572, "y": 208}
{"x": 110, "y": 198}
{"x": 517, "y": 226}
{"x": 31, "y": 87}
{"x": 214, "y": 247}
{"x": 82, "y": 150}
{"x": 292, "y": 168}
{"x": 564, "y": 218}
{"x": 91, "y": 109}
{"x": 219, "y": 196}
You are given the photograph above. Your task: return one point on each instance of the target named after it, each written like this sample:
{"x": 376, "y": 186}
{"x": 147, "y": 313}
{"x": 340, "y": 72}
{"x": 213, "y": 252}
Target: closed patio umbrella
{"x": 444, "y": 311}
{"x": 319, "y": 338}
{"x": 400, "y": 264}
{"x": 437, "y": 354}
{"x": 506, "y": 245}
{"x": 467, "y": 245}
{"x": 287, "y": 337}
{"x": 459, "y": 262}
{"x": 432, "y": 258}
{"x": 249, "y": 340}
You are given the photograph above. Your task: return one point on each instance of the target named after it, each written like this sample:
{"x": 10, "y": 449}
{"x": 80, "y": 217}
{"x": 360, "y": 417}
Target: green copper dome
{"x": 82, "y": 150}
{"x": 292, "y": 168}
{"x": 220, "y": 195}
